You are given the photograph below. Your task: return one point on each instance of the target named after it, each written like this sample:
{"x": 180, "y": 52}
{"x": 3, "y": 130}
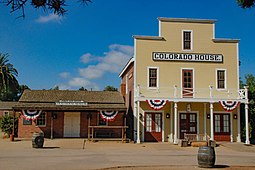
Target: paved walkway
{"x": 68, "y": 154}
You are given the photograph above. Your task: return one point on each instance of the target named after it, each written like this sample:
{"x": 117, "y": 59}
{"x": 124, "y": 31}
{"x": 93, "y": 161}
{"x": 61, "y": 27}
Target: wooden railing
{"x": 196, "y": 137}
{"x": 92, "y": 129}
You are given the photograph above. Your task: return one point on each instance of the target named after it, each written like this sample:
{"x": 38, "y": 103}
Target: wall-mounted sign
{"x": 71, "y": 103}
{"x": 192, "y": 57}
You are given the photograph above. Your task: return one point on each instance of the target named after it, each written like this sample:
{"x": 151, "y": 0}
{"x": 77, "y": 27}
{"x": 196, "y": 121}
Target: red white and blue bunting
{"x": 156, "y": 104}
{"x": 31, "y": 114}
{"x": 108, "y": 115}
{"x": 229, "y": 105}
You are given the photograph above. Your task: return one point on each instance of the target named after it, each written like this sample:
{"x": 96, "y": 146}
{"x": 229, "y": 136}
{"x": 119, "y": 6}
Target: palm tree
{"x": 8, "y": 74}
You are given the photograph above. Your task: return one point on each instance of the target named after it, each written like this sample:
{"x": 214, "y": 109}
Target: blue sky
{"x": 90, "y": 45}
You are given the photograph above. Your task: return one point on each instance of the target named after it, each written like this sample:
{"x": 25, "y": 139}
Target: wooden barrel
{"x": 37, "y": 140}
{"x": 206, "y": 157}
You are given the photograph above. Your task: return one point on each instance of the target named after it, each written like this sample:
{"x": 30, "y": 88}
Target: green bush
{"x": 6, "y": 124}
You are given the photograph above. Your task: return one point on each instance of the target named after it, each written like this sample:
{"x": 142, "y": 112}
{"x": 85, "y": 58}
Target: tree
{"x": 245, "y": 3}
{"x": 82, "y": 89}
{"x": 250, "y": 82}
{"x": 8, "y": 83}
{"x": 110, "y": 88}
{"x": 57, "y": 6}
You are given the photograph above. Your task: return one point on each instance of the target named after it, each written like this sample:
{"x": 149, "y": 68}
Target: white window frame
{"x": 148, "y": 78}
{"x": 6, "y": 113}
{"x": 45, "y": 121}
{"x": 193, "y": 79}
{"x": 191, "y": 41}
{"x": 225, "y": 78}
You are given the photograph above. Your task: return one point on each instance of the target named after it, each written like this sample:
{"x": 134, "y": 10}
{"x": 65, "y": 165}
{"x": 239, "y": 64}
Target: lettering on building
{"x": 187, "y": 57}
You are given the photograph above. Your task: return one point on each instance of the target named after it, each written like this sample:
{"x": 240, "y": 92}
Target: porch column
{"x": 211, "y": 121}
{"x": 175, "y": 123}
{"x": 238, "y": 125}
{"x": 171, "y": 140}
{"x": 205, "y": 118}
{"x": 247, "y": 124}
{"x": 138, "y": 122}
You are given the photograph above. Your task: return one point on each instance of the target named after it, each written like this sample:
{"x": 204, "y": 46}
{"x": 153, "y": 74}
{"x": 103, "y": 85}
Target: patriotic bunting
{"x": 31, "y": 114}
{"x": 156, "y": 104}
{"x": 108, "y": 116}
{"x": 229, "y": 105}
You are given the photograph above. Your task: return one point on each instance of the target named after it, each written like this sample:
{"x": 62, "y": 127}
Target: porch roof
{"x": 71, "y": 100}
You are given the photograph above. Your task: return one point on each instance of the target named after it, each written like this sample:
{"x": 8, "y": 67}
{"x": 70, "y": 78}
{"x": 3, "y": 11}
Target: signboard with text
{"x": 191, "y": 57}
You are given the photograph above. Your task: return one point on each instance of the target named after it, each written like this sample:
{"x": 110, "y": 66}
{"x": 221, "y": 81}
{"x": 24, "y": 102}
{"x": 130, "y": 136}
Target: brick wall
{"x": 26, "y": 131}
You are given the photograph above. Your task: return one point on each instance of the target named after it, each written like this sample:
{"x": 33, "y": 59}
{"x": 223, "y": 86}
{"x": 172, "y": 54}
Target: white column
{"x": 205, "y": 118}
{"x": 171, "y": 140}
{"x": 247, "y": 124}
{"x": 175, "y": 123}
{"x": 231, "y": 127}
{"x": 238, "y": 125}
{"x": 138, "y": 122}
{"x": 211, "y": 120}
{"x": 135, "y": 120}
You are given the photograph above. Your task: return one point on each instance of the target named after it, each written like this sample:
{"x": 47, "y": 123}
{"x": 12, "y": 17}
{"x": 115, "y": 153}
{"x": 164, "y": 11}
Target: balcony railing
{"x": 196, "y": 93}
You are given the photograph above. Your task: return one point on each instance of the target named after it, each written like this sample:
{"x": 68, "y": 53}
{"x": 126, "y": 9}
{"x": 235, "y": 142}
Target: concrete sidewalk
{"x": 68, "y": 154}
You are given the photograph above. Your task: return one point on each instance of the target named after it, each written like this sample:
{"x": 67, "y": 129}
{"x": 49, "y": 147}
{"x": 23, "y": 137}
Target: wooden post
{"x": 13, "y": 126}
{"x": 51, "y": 126}
{"x": 92, "y": 134}
{"x": 89, "y": 127}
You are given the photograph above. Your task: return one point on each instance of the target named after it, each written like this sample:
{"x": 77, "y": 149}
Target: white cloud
{"x": 112, "y": 61}
{"x": 49, "y": 18}
{"x": 81, "y": 82}
{"x": 64, "y": 75}
{"x": 91, "y": 72}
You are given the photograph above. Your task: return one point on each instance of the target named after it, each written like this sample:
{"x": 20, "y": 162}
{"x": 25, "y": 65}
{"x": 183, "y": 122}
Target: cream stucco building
{"x": 184, "y": 81}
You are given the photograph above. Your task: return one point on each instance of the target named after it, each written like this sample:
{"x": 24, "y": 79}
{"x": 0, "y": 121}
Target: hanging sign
{"x": 108, "y": 115}
{"x": 31, "y": 114}
{"x": 168, "y": 56}
{"x": 229, "y": 105}
{"x": 156, "y": 104}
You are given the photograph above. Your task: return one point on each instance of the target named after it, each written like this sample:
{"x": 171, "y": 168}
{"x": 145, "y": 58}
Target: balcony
{"x": 175, "y": 93}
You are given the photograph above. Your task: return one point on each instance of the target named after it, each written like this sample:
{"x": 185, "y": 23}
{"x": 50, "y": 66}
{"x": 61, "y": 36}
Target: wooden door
{"x": 153, "y": 127}
{"x": 187, "y": 83}
{"x": 72, "y": 124}
{"x": 222, "y": 127}
{"x": 188, "y": 124}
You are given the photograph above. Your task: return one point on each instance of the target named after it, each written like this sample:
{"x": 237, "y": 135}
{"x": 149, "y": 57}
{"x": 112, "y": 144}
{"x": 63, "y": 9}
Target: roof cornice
{"x": 223, "y": 40}
{"x": 187, "y": 20}
{"x": 140, "y": 37}
{"x": 126, "y": 66}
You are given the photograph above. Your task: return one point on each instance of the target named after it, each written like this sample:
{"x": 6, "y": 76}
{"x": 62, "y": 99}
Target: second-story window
{"x": 187, "y": 38}
{"x": 153, "y": 77}
{"x": 221, "y": 79}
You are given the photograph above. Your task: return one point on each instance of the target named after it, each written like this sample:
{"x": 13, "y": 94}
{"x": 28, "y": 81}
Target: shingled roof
{"x": 7, "y": 105}
{"x": 49, "y": 99}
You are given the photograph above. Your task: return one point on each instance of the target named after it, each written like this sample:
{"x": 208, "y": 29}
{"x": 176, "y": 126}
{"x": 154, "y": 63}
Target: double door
{"x": 188, "y": 124}
{"x": 153, "y": 127}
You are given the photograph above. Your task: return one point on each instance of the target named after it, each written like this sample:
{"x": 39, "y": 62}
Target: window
{"x": 101, "y": 122}
{"x": 6, "y": 113}
{"x": 187, "y": 36}
{"x": 148, "y": 122}
{"x": 41, "y": 120}
{"x": 153, "y": 77}
{"x": 27, "y": 122}
{"x": 221, "y": 79}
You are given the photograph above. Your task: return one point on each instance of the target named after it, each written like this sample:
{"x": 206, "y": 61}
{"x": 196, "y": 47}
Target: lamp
{"x": 168, "y": 115}
{"x": 208, "y": 116}
{"x": 235, "y": 116}
{"x": 188, "y": 107}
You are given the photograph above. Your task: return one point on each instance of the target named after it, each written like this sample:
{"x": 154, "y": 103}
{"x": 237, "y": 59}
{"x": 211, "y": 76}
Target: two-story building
{"x": 184, "y": 81}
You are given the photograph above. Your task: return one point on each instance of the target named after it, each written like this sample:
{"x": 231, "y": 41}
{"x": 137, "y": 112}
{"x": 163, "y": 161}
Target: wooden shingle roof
{"x": 48, "y": 99}
{"x": 7, "y": 105}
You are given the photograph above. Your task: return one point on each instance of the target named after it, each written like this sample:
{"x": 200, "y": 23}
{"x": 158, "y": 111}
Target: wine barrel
{"x": 206, "y": 157}
{"x": 37, "y": 140}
